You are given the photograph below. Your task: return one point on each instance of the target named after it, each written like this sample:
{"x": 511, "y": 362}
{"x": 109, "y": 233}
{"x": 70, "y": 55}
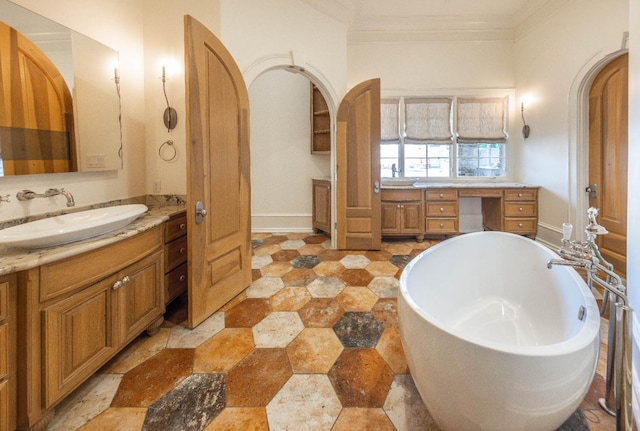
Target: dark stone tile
{"x": 285, "y": 255}
{"x": 576, "y": 422}
{"x": 258, "y": 378}
{"x": 147, "y": 382}
{"x": 255, "y": 243}
{"x": 361, "y": 378}
{"x": 248, "y": 313}
{"x": 400, "y": 260}
{"x": 191, "y": 405}
{"x": 356, "y": 277}
{"x": 358, "y": 329}
{"x": 305, "y": 262}
{"x": 321, "y": 313}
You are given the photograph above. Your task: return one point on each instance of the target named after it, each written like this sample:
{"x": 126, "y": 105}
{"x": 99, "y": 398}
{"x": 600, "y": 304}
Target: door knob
{"x": 200, "y": 212}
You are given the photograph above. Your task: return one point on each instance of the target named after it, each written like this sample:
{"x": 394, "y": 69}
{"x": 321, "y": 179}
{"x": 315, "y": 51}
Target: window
{"x": 443, "y": 137}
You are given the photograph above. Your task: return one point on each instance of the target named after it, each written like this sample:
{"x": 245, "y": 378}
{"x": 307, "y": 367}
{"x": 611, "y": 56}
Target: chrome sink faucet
{"x": 26, "y": 195}
{"x": 585, "y": 254}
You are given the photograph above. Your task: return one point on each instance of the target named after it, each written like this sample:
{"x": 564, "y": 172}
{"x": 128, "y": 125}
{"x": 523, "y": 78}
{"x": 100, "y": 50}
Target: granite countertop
{"x": 14, "y": 260}
{"x": 417, "y": 184}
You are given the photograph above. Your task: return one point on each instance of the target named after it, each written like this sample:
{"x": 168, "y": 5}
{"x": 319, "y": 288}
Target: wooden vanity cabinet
{"x": 176, "y": 272}
{"x": 321, "y": 211}
{"x": 402, "y": 213}
{"x": 77, "y": 313}
{"x": 521, "y": 211}
{"x": 7, "y": 352}
{"x": 441, "y": 211}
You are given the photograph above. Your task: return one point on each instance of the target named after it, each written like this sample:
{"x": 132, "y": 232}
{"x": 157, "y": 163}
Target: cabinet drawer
{"x": 175, "y": 227}
{"x": 401, "y": 195}
{"x": 442, "y": 225}
{"x": 520, "y": 225}
{"x": 4, "y": 351}
{"x": 65, "y": 276}
{"x": 175, "y": 283}
{"x": 445, "y": 209}
{"x": 524, "y": 209}
{"x": 175, "y": 253}
{"x": 441, "y": 195}
{"x": 520, "y": 194}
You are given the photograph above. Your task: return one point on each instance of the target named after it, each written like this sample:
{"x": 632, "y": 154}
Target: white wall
{"x": 281, "y": 163}
{"x": 551, "y": 61}
{"x": 119, "y": 27}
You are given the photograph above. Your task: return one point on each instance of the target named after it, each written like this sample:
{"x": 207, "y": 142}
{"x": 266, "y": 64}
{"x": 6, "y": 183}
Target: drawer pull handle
{"x": 125, "y": 279}
{"x": 117, "y": 285}
{"x": 441, "y": 195}
{"x": 183, "y": 226}
{"x": 441, "y": 210}
{"x": 519, "y": 195}
{"x": 183, "y": 250}
{"x": 520, "y": 224}
{"x": 182, "y": 277}
{"x": 441, "y": 224}
{"x": 520, "y": 209}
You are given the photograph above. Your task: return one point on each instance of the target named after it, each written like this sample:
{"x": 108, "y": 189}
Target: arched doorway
{"x": 608, "y": 130}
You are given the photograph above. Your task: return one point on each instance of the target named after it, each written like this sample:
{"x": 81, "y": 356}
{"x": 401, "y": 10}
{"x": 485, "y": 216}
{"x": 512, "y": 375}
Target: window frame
{"x": 401, "y": 142}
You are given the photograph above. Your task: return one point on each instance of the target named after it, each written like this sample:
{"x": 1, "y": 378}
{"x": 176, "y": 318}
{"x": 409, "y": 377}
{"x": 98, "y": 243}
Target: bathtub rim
{"x": 589, "y": 331}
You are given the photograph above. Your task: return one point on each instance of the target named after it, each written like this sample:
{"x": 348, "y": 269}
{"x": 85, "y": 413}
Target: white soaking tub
{"x": 494, "y": 339}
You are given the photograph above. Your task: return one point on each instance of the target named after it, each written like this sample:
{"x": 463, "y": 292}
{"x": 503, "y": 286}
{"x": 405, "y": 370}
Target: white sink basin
{"x": 70, "y": 227}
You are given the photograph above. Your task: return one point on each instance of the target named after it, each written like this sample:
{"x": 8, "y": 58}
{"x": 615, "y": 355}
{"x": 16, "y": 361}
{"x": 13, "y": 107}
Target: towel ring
{"x": 170, "y": 144}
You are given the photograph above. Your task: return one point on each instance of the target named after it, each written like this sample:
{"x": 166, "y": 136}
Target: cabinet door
{"x": 140, "y": 296}
{"x": 412, "y": 218}
{"x": 322, "y": 205}
{"x": 390, "y": 215}
{"x": 77, "y": 339}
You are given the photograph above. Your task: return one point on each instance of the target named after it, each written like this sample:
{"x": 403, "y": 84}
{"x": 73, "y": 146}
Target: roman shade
{"x": 389, "y": 130}
{"x": 428, "y": 120}
{"x": 482, "y": 120}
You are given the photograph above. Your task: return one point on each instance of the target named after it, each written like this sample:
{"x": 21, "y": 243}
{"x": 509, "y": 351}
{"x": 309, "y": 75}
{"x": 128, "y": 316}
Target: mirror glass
{"x": 36, "y": 136}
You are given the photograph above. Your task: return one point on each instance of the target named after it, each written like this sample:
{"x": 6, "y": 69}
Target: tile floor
{"x": 312, "y": 344}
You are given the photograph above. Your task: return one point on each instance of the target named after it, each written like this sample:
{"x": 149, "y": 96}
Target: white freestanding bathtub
{"x": 493, "y": 338}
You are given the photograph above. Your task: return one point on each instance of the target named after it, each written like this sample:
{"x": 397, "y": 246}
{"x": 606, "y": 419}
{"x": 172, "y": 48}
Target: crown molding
{"x": 339, "y": 10}
{"x": 526, "y": 22}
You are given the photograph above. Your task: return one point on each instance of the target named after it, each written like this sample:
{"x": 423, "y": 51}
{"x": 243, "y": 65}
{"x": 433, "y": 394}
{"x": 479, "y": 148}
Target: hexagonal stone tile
{"x": 275, "y": 269}
{"x": 240, "y": 418}
{"x": 385, "y": 287}
{"x": 258, "y": 262}
{"x": 305, "y": 261}
{"x": 284, "y": 255}
{"x": 257, "y": 378}
{"x": 290, "y": 299}
{"x": 314, "y": 351}
{"x": 400, "y": 260}
{"x": 315, "y": 239}
{"x": 378, "y": 255}
{"x": 277, "y": 329}
{"x": 224, "y": 350}
{"x": 274, "y": 239}
{"x": 299, "y": 277}
{"x": 361, "y": 378}
{"x": 180, "y": 336}
{"x": 356, "y": 329}
{"x": 329, "y": 255}
{"x": 352, "y": 418}
{"x": 321, "y": 313}
{"x": 390, "y": 348}
{"x": 325, "y": 287}
{"x": 312, "y": 249}
{"x": 298, "y": 407}
{"x": 264, "y": 287}
{"x": 247, "y": 313}
{"x": 397, "y": 248}
{"x": 405, "y": 407}
{"x": 266, "y": 249}
{"x": 382, "y": 269}
{"x": 355, "y": 261}
{"x": 386, "y": 311}
{"x": 357, "y": 299}
{"x": 329, "y": 268}
{"x": 191, "y": 405}
{"x": 292, "y": 244}
{"x": 356, "y": 277}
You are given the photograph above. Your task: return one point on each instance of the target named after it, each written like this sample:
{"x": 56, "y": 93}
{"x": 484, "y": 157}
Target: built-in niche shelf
{"x": 320, "y": 123}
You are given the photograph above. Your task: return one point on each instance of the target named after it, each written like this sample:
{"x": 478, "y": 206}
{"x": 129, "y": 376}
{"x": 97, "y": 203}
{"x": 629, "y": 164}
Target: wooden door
{"x": 608, "y": 120}
{"x": 358, "y": 168}
{"x": 218, "y": 174}
{"x": 36, "y": 109}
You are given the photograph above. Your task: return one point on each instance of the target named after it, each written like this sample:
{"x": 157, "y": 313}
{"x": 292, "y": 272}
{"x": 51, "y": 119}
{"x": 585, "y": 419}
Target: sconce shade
{"x": 525, "y": 131}
{"x": 170, "y": 118}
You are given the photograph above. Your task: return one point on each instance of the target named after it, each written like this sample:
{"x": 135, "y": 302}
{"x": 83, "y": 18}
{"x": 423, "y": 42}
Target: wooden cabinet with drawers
{"x": 176, "y": 271}
{"x": 402, "y": 213}
{"x": 7, "y": 352}
{"x": 441, "y": 211}
{"x": 321, "y": 211}
{"x": 521, "y": 211}
{"x": 75, "y": 314}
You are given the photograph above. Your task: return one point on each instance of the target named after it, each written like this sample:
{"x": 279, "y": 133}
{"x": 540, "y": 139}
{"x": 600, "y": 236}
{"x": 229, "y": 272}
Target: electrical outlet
{"x": 156, "y": 186}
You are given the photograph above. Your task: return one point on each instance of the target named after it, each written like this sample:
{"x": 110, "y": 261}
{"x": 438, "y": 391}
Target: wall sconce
{"x": 525, "y": 128}
{"x": 170, "y": 116}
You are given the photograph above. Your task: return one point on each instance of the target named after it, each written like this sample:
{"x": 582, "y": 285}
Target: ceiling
{"x": 501, "y": 19}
